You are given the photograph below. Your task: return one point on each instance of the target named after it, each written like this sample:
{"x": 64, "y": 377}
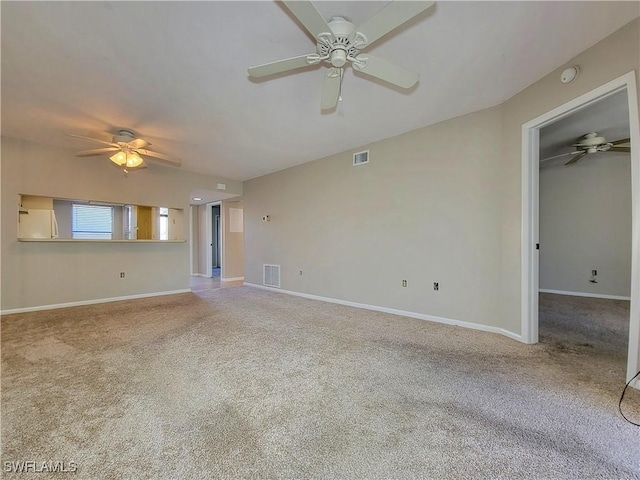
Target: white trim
{"x": 530, "y": 206}
{"x": 584, "y": 294}
{"x": 199, "y": 275}
{"x": 393, "y": 311}
{"x": 91, "y": 302}
{"x": 233, "y": 279}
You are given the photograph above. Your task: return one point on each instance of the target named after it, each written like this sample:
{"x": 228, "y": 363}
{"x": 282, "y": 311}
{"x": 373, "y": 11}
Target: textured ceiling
{"x": 176, "y": 73}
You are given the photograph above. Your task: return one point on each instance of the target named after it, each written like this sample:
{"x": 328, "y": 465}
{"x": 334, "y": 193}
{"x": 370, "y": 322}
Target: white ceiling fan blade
{"x": 621, "y": 141}
{"x": 391, "y": 17}
{"x": 576, "y": 158}
{"x": 96, "y": 151}
{"x": 159, "y": 156}
{"x": 280, "y": 66}
{"x": 384, "y": 70}
{"x": 111, "y": 144}
{"x": 138, "y": 143}
{"x": 561, "y": 155}
{"x": 331, "y": 89}
{"x": 309, "y": 16}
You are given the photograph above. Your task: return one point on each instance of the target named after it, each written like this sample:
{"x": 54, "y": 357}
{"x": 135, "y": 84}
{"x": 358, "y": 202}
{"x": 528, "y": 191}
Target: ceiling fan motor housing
{"x": 340, "y": 46}
{"x": 123, "y": 136}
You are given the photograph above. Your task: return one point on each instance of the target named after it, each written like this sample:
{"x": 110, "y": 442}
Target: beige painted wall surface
{"x": 421, "y": 211}
{"x": 39, "y": 274}
{"x": 607, "y": 60}
{"x": 202, "y": 240}
{"x": 585, "y": 224}
{"x": 233, "y": 243}
{"x": 195, "y": 232}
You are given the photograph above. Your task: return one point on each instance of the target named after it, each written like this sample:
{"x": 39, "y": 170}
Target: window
{"x": 91, "y": 221}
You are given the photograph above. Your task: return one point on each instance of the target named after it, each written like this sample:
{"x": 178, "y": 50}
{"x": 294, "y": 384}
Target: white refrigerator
{"x": 33, "y": 223}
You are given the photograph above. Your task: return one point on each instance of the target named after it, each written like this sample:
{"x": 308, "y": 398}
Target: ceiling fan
{"x": 592, "y": 143}
{"x": 339, "y": 43}
{"x": 126, "y": 149}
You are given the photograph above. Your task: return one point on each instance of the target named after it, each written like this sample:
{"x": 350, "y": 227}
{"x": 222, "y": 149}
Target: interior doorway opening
{"x": 214, "y": 241}
{"x": 531, "y": 210}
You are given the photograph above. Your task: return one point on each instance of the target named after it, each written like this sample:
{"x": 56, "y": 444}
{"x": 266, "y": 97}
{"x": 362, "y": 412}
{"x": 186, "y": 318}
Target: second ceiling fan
{"x": 339, "y": 42}
{"x": 592, "y": 142}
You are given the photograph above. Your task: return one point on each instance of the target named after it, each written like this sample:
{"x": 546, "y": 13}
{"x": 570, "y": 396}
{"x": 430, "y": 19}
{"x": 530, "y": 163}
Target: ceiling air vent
{"x": 360, "y": 158}
{"x": 271, "y": 275}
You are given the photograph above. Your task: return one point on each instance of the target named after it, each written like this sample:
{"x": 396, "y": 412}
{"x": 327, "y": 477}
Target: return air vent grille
{"x": 271, "y": 275}
{"x": 361, "y": 158}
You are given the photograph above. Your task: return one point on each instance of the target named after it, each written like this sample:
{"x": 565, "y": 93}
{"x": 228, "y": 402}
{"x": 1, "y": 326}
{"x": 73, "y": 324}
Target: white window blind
{"x": 91, "y": 221}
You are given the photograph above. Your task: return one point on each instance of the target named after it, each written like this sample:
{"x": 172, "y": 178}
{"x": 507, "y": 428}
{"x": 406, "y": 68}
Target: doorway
{"x": 531, "y": 204}
{"x": 213, "y": 248}
{"x": 216, "y": 241}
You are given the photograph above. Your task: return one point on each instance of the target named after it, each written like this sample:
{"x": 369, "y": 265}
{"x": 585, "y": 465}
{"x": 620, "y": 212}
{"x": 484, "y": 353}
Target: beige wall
{"x": 585, "y": 224}
{"x": 233, "y": 244}
{"x": 442, "y": 203}
{"x": 40, "y": 274}
{"x": 195, "y": 232}
{"x": 420, "y": 210}
{"x": 202, "y": 240}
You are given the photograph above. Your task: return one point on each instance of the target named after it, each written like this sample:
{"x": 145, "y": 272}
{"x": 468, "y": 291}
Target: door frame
{"x": 209, "y": 239}
{"x": 531, "y": 205}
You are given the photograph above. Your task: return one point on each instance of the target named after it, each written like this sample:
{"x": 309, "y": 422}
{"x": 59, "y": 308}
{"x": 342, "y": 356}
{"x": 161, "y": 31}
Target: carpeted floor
{"x": 245, "y": 383}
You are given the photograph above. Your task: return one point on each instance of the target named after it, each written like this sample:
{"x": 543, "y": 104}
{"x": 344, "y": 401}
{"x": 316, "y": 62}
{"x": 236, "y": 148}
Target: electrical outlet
{"x": 594, "y": 273}
{"x": 121, "y": 274}
{"x": 404, "y": 283}
{"x": 436, "y": 286}
{"x": 301, "y": 272}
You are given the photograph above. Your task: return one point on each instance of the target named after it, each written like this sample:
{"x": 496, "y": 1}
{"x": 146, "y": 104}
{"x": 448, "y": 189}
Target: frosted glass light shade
{"x": 133, "y": 160}
{"x": 119, "y": 158}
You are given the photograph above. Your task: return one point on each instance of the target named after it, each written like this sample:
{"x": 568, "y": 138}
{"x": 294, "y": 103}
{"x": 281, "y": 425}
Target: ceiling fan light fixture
{"x": 126, "y": 159}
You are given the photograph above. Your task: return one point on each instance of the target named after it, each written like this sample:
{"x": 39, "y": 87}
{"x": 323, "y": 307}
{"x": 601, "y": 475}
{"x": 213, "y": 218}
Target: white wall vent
{"x": 360, "y": 158}
{"x": 271, "y": 275}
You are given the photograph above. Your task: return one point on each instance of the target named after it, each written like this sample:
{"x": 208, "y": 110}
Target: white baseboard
{"x": 582, "y": 294}
{"x": 233, "y": 279}
{"x": 91, "y": 302}
{"x": 393, "y": 311}
{"x": 200, "y": 275}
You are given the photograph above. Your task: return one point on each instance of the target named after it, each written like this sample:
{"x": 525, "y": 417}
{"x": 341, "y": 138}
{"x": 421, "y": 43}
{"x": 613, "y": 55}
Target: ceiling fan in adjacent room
{"x": 339, "y": 42}
{"x": 126, "y": 151}
{"x": 593, "y": 143}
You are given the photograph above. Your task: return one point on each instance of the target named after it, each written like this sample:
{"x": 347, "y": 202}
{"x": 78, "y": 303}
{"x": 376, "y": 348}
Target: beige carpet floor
{"x": 245, "y": 383}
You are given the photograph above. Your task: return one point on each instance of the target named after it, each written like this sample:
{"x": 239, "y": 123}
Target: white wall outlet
{"x": 266, "y": 218}
{"x": 436, "y": 286}
{"x": 404, "y": 283}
